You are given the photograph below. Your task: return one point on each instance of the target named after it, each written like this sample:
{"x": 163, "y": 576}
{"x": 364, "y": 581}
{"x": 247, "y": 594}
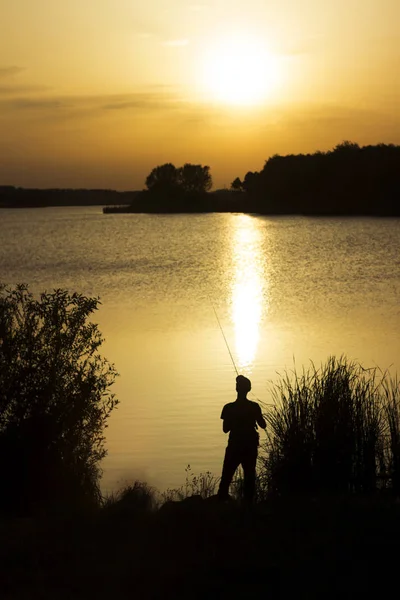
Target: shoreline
{"x": 310, "y": 548}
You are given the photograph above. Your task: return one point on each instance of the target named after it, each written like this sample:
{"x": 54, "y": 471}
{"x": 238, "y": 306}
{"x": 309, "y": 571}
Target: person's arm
{"x": 260, "y": 419}
{"x": 226, "y": 422}
{"x": 226, "y": 426}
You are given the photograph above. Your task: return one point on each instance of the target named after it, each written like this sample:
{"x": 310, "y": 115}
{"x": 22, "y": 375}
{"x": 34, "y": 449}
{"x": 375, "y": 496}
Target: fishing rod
{"x": 229, "y": 350}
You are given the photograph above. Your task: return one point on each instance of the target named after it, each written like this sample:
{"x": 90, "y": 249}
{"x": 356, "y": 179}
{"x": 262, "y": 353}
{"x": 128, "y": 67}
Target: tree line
{"x": 346, "y": 180}
{"x": 16, "y": 197}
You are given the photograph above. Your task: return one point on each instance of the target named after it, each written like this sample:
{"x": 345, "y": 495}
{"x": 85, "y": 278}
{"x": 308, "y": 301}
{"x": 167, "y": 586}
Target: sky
{"x": 95, "y": 93}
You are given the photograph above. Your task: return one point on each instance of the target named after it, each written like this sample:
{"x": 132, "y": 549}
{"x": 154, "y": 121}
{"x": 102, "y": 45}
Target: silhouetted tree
{"x": 195, "y": 178}
{"x": 54, "y": 400}
{"x": 250, "y": 181}
{"x": 237, "y": 185}
{"x": 164, "y": 178}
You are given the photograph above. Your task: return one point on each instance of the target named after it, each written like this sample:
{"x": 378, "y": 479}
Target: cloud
{"x": 171, "y": 104}
{"x": 33, "y": 104}
{"x": 176, "y": 43}
{"x": 10, "y": 71}
{"x": 141, "y": 101}
{"x": 8, "y": 90}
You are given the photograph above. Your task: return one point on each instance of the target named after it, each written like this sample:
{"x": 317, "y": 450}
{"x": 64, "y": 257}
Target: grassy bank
{"x": 327, "y": 547}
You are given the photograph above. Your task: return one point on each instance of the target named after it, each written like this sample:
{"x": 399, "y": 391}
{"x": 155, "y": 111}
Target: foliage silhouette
{"x": 237, "y": 185}
{"x": 175, "y": 190}
{"x": 204, "y": 485}
{"x": 163, "y": 179}
{"x": 391, "y": 392}
{"x": 132, "y": 500}
{"x": 335, "y": 429}
{"x": 54, "y": 401}
{"x": 250, "y": 182}
{"x": 195, "y": 178}
{"x": 166, "y": 179}
{"x": 347, "y": 180}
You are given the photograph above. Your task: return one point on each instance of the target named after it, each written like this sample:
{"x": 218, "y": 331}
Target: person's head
{"x": 243, "y": 385}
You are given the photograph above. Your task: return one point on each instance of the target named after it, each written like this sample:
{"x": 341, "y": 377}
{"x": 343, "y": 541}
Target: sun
{"x": 239, "y": 70}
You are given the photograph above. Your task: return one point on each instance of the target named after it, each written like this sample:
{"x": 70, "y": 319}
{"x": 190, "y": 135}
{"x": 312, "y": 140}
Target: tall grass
{"x": 391, "y": 393}
{"x": 132, "y": 500}
{"x": 334, "y": 429}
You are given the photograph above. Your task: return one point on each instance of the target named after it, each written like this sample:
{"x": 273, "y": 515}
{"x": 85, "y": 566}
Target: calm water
{"x": 284, "y": 289}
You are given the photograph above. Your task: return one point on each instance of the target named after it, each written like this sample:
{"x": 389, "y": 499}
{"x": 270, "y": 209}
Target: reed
{"x": 327, "y": 430}
{"x": 391, "y": 462}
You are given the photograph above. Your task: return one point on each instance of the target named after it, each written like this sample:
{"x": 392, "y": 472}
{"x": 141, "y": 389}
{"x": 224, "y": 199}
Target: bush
{"x": 54, "y": 401}
{"x": 132, "y": 500}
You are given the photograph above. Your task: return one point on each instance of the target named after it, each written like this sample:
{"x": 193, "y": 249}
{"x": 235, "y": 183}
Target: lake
{"x": 286, "y": 290}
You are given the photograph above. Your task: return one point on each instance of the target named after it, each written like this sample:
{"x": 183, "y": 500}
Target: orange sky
{"x": 94, "y": 93}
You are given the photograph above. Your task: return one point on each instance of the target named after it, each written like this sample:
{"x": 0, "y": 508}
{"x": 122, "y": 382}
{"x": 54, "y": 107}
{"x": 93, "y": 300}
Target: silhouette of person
{"x": 241, "y": 418}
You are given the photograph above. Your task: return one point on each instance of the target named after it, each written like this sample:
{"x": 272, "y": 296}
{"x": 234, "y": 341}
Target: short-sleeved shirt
{"x": 242, "y": 416}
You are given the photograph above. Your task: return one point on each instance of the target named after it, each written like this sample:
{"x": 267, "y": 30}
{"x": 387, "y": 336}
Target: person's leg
{"x": 249, "y": 460}
{"x": 231, "y": 463}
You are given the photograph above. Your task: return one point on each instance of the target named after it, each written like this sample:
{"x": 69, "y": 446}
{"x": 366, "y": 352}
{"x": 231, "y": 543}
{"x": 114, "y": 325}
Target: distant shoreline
{"x": 15, "y": 197}
{"x": 143, "y": 202}
{"x": 123, "y": 210}
{"x": 347, "y": 181}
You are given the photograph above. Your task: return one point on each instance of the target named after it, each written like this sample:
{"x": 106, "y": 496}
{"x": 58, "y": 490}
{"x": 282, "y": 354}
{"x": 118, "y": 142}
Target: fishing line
{"x": 223, "y": 334}
{"x": 229, "y": 350}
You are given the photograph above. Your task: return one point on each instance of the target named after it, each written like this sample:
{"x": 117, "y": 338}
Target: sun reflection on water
{"x": 247, "y": 289}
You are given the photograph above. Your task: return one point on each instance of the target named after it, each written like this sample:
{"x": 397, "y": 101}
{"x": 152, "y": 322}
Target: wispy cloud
{"x": 10, "y": 71}
{"x": 140, "y": 101}
{"x": 148, "y": 101}
{"x": 14, "y": 90}
{"x": 33, "y": 104}
{"x": 172, "y": 101}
